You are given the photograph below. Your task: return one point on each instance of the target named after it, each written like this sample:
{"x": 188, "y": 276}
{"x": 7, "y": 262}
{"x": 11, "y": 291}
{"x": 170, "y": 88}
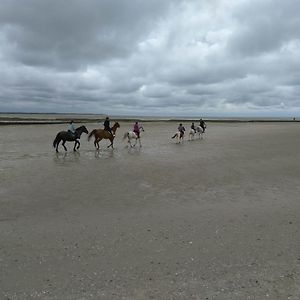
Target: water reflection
{"x": 65, "y": 157}
{"x": 134, "y": 150}
{"x": 100, "y": 154}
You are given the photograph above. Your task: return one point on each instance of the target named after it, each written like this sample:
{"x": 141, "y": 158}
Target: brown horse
{"x": 101, "y": 134}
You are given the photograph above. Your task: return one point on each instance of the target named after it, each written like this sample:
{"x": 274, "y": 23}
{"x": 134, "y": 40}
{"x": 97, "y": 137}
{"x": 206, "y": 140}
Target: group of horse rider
{"x": 136, "y": 127}
{"x": 106, "y": 124}
{"x": 181, "y": 128}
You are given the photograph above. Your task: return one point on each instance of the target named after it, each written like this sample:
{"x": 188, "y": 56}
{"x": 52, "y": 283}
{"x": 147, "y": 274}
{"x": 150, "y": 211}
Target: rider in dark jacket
{"x": 202, "y": 125}
{"x": 107, "y": 125}
{"x": 181, "y": 129}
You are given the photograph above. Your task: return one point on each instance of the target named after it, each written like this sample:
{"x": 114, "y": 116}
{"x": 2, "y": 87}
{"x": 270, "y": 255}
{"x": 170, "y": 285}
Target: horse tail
{"x": 56, "y": 140}
{"x": 91, "y": 134}
{"x": 126, "y": 135}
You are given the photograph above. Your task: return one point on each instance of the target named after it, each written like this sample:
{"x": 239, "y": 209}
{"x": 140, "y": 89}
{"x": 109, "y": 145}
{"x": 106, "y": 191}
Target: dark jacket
{"x": 106, "y": 125}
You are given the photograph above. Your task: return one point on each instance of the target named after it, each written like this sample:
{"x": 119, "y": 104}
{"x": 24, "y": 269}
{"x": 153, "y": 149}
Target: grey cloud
{"x": 265, "y": 26}
{"x": 150, "y": 57}
{"x": 72, "y": 34}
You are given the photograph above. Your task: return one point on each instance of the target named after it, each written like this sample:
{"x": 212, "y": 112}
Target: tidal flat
{"x": 216, "y": 218}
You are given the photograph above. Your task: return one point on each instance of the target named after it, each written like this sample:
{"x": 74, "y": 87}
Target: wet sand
{"x": 216, "y": 218}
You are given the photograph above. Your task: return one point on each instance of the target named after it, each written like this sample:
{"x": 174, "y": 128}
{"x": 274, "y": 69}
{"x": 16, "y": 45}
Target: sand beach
{"x": 216, "y": 218}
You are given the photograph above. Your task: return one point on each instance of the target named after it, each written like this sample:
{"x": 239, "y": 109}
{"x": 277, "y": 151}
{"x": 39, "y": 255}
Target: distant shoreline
{"x": 80, "y": 121}
{"x": 63, "y": 118}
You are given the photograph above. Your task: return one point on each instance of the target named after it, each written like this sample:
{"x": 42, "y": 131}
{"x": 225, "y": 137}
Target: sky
{"x": 154, "y": 57}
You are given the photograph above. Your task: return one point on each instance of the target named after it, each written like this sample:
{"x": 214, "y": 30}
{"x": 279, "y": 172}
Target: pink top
{"x": 136, "y": 128}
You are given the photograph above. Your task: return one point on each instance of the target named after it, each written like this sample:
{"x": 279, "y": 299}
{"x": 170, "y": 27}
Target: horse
{"x": 198, "y": 130}
{"x": 101, "y": 134}
{"x": 192, "y": 134}
{"x": 179, "y": 137}
{"x": 130, "y": 135}
{"x": 70, "y": 137}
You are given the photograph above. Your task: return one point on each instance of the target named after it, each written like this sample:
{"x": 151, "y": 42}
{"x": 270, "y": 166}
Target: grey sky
{"x": 207, "y": 57}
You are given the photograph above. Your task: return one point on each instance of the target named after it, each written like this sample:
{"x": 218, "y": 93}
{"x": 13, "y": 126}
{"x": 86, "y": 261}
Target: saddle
{"x": 72, "y": 135}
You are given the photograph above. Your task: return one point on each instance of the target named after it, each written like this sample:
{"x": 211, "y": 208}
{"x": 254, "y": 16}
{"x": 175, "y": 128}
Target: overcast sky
{"x": 151, "y": 57}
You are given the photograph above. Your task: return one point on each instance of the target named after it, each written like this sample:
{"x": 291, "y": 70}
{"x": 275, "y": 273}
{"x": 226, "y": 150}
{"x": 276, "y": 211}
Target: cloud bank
{"x": 135, "y": 57}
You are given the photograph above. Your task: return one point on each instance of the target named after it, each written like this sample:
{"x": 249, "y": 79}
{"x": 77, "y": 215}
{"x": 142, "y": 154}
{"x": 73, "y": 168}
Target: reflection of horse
{"x": 179, "y": 137}
{"x": 131, "y": 135}
{"x": 70, "y": 137}
{"x": 101, "y": 134}
{"x": 199, "y": 130}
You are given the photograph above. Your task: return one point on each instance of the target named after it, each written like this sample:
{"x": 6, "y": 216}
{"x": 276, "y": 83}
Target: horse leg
{"x": 98, "y": 140}
{"x": 76, "y": 142}
{"x": 57, "y": 146}
{"x": 111, "y": 143}
{"x": 64, "y": 146}
{"x": 140, "y": 142}
{"x": 129, "y": 141}
{"x": 96, "y": 143}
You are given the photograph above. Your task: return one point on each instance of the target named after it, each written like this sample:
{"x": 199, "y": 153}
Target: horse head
{"x": 116, "y": 125}
{"x": 114, "y": 128}
{"x": 81, "y": 129}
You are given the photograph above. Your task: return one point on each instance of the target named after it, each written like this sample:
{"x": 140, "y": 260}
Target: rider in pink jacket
{"x": 136, "y": 129}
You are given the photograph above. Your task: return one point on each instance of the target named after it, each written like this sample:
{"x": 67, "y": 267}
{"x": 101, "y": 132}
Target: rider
{"x": 181, "y": 129}
{"x": 71, "y": 128}
{"x": 136, "y": 129}
{"x": 107, "y": 125}
{"x": 193, "y": 126}
{"x": 202, "y": 125}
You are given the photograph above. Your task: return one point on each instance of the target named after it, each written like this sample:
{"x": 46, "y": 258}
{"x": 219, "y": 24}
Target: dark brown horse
{"x": 70, "y": 137}
{"x": 101, "y": 134}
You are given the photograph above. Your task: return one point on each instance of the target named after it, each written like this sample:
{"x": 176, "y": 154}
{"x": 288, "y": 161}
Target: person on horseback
{"x": 202, "y": 125}
{"x": 107, "y": 125}
{"x": 193, "y": 127}
{"x": 181, "y": 129}
{"x": 136, "y": 129}
{"x": 72, "y": 129}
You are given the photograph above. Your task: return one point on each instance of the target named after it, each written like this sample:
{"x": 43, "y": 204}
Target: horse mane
{"x": 116, "y": 125}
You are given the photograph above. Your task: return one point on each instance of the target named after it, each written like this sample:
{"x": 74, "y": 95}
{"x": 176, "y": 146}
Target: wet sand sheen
{"x": 216, "y": 218}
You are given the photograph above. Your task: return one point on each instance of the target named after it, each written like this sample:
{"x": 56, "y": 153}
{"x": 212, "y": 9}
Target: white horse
{"x": 199, "y": 131}
{"x": 131, "y": 135}
{"x": 179, "y": 137}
